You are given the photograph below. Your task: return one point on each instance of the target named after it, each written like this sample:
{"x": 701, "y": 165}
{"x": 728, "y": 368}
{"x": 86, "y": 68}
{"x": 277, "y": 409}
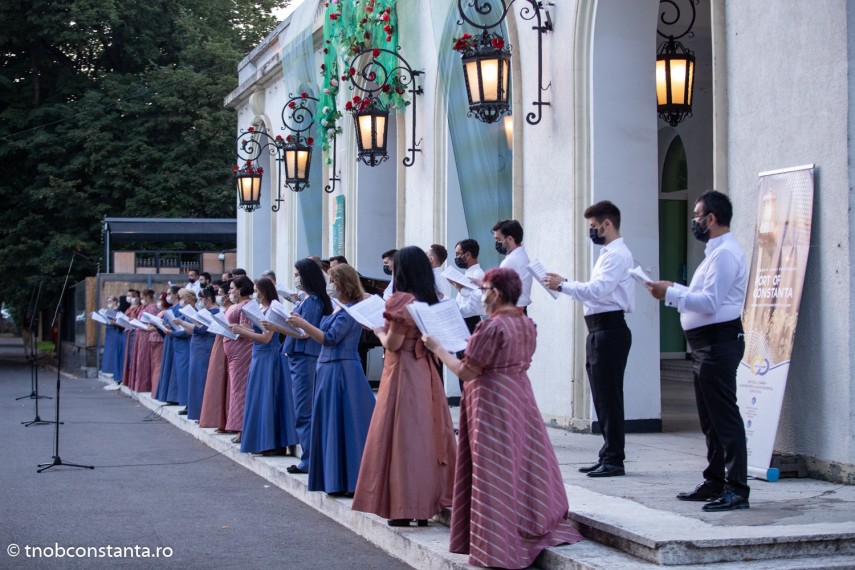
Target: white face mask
{"x": 132, "y": 300}
{"x": 332, "y": 290}
{"x": 232, "y": 298}
{"x": 159, "y": 305}
{"x": 221, "y": 300}
{"x": 169, "y": 299}
{"x": 111, "y": 306}
{"x": 182, "y": 303}
{"x": 143, "y": 302}
{"x": 200, "y": 304}
{"x": 298, "y": 283}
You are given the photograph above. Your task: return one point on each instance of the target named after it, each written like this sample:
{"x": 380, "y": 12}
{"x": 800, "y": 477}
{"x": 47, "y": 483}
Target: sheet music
{"x": 98, "y": 318}
{"x": 123, "y": 321}
{"x": 220, "y": 326}
{"x": 639, "y": 275}
{"x": 109, "y": 314}
{"x": 442, "y": 321}
{"x": 452, "y": 274}
{"x": 539, "y": 272}
{"x": 155, "y": 320}
{"x": 253, "y": 313}
{"x": 169, "y": 317}
{"x": 205, "y": 317}
{"x": 368, "y": 312}
{"x": 278, "y": 314}
{"x": 192, "y": 314}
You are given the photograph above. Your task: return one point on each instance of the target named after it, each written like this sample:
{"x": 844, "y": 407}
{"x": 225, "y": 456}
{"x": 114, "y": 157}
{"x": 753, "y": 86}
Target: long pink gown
{"x": 509, "y": 498}
{"x": 238, "y": 354}
{"x": 407, "y": 468}
{"x": 215, "y": 401}
{"x": 155, "y": 340}
{"x": 128, "y": 367}
{"x": 140, "y": 380}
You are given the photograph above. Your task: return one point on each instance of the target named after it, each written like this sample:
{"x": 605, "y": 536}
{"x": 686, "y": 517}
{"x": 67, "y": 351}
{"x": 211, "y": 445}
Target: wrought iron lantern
{"x": 297, "y": 118}
{"x": 374, "y": 81}
{"x": 675, "y": 68}
{"x": 249, "y": 186}
{"x": 487, "y": 60}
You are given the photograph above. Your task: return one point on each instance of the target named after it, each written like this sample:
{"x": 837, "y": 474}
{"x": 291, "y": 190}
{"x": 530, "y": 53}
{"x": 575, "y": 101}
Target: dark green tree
{"x": 112, "y": 108}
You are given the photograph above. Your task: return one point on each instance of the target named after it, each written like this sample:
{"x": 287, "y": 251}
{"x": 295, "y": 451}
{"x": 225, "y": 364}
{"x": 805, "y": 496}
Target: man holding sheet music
{"x": 509, "y": 236}
{"x": 469, "y": 300}
{"x": 606, "y": 297}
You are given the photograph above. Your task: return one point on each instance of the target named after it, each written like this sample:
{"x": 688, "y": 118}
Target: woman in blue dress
{"x": 181, "y": 351}
{"x": 114, "y": 344}
{"x": 301, "y": 352}
{"x": 166, "y": 390}
{"x": 201, "y": 344}
{"x": 343, "y": 402}
{"x": 268, "y": 414}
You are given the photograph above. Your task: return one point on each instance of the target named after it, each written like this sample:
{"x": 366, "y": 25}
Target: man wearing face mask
{"x": 710, "y": 314}
{"x": 388, "y": 267}
{"x": 469, "y": 300}
{"x": 437, "y": 254}
{"x": 606, "y": 298}
{"x": 193, "y": 281}
{"x": 509, "y": 237}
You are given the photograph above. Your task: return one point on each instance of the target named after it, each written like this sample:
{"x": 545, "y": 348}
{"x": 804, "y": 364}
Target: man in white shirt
{"x": 710, "y": 314}
{"x": 606, "y": 297}
{"x": 469, "y": 300}
{"x": 193, "y": 282}
{"x": 437, "y": 254}
{"x": 509, "y": 237}
{"x": 388, "y": 269}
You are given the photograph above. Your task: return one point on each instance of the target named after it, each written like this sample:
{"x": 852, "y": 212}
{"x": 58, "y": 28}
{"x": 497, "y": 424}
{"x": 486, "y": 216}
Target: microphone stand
{"x": 57, "y": 321}
{"x": 31, "y": 355}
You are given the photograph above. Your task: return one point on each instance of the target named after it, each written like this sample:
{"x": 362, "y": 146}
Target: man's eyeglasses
{"x": 485, "y": 289}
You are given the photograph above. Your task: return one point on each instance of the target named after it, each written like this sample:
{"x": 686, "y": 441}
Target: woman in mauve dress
{"x": 155, "y": 339}
{"x": 201, "y": 343}
{"x": 238, "y": 355}
{"x": 140, "y": 380}
{"x": 343, "y": 402}
{"x": 215, "y": 402}
{"x": 268, "y": 417}
{"x": 167, "y": 390}
{"x": 131, "y": 312}
{"x": 407, "y": 469}
{"x": 509, "y": 498}
{"x": 300, "y": 353}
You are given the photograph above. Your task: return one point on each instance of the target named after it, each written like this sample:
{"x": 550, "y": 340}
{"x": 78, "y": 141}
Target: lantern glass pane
{"x": 691, "y": 80}
{"x": 661, "y": 84}
{"x": 471, "y": 68}
{"x": 381, "y": 131}
{"x": 302, "y": 157}
{"x": 490, "y": 79}
{"x": 364, "y": 125}
{"x": 506, "y": 76}
{"x": 290, "y": 163}
{"x": 678, "y": 81}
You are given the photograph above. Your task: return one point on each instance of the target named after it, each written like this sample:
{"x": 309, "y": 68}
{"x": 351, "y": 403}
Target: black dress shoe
{"x": 398, "y": 522}
{"x": 706, "y": 491}
{"x": 606, "y": 470}
{"x": 183, "y": 412}
{"x": 590, "y": 468}
{"x": 294, "y": 470}
{"x": 729, "y": 501}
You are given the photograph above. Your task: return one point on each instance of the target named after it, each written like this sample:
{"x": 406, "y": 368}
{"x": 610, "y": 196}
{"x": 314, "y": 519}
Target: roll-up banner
{"x": 776, "y": 278}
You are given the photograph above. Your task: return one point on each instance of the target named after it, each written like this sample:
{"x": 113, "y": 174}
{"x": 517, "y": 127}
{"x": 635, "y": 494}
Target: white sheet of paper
{"x": 278, "y": 314}
{"x": 98, "y": 318}
{"x": 639, "y": 275}
{"x": 368, "y": 312}
{"x": 155, "y": 320}
{"x": 123, "y": 321}
{"x": 253, "y": 313}
{"x": 539, "y": 272}
{"x": 220, "y": 326}
{"x": 442, "y": 321}
{"x": 190, "y": 313}
{"x": 452, "y": 274}
{"x": 138, "y": 324}
{"x": 203, "y": 316}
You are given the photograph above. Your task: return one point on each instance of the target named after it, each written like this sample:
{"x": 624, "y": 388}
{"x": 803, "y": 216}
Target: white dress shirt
{"x": 196, "y": 287}
{"x": 518, "y": 261}
{"x": 440, "y": 283}
{"x": 387, "y": 292}
{"x": 469, "y": 300}
{"x": 717, "y": 290}
{"x": 610, "y": 288}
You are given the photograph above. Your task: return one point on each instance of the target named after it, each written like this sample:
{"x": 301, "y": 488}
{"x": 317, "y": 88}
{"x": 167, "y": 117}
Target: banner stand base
{"x": 771, "y": 474}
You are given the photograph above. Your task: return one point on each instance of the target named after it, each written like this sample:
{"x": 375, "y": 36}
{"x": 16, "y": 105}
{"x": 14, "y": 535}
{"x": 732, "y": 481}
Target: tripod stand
{"x": 57, "y": 321}
{"x": 31, "y": 355}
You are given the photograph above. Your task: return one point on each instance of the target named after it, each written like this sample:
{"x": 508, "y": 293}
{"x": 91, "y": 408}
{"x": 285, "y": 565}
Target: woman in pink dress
{"x": 133, "y": 298}
{"x": 407, "y": 469}
{"x": 215, "y": 402}
{"x": 155, "y": 338}
{"x": 238, "y": 355}
{"x": 509, "y": 498}
{"x": 140, "y": 380}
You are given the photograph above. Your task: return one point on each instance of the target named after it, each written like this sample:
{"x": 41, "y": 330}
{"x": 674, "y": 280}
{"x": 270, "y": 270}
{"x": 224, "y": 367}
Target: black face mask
{"x": 387, "y": 270}
{"x": 460, "y": 262}
{"x": 595, "y": 236}
{"x": 701, "y": 234}
{"x": 500, "y": 247}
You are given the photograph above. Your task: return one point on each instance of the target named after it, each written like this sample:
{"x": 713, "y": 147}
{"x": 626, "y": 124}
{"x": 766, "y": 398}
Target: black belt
{"x": 716, "y": 333}
{"x": 605, "y": 321}
{"x": 472, "y": 322}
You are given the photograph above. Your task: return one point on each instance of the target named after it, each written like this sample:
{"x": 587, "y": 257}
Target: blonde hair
{"x": 347, "y": 282}
{"x": 186, "y": 293}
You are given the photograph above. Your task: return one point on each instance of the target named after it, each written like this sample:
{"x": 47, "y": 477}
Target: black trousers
{"x": 716, "y": 352}
{"x": 606, "y": 352}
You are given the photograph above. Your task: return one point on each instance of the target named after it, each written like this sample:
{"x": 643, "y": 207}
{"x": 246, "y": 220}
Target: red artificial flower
{"x": 260, "y": 170}
{"x": 351, "y": 71}
{"x": 369, "y": 7}
{"x": 304, "y": 95}
{"x": 498, "y": 43}
{"x": 388, "y": 38}
{"x": 310, "y": 141}
{"x": 354, "y": 48}
{"x": 367, "y": 36}
{"x": 348, "y": 106}
{"x": 326, "y": 50}
{"x": 292, "y": 104}
{"x": 386, "y": 88}
{"x": 290, "y": 138}
{"x": 387, "y": 28}
{"x": 279, "y": 138}
{"x": 385, "y": 16}
{"x": 399, "y": 90}
{"x": 333, "y": 16}
{"x": 235, "y": 168}
{"x": 357, "y": 98}
{"x": 363, "y": 21}
{"x": 248, "y": 164}
{"x": 251, "y": 129}
{"x": 375, "y": 52}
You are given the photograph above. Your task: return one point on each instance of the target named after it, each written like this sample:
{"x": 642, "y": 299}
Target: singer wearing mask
{"x": 201, "y": 344}
{"x": 114, "y": 344}
{"x": 140, "y": 377}
{"x": 167, "y": 391}
{"x": 155, "y": 337}
{"x": 215, "y": 402}
{"x": 133, "y": 298}
{"x": 238, "y": 354}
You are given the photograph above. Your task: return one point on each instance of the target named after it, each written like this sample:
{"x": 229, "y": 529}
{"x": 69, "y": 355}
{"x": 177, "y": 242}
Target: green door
{"x": 673, "y": 220}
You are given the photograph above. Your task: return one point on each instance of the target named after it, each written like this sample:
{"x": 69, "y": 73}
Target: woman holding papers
{"x": 133, "y": 298}
{"x": 215, "y": 402}
{"x": 114, "y": 343}
{"x": 238, "y": 354}
{"x": 509, "y": 498}
{"x": 268, "y": 418}
{"x": 166, "y": 390}
{"x": 343, "y": 401}
{"x": 155, "y": 339}
{"x": 301, "y": 352}
{"x": 407, "y": 469}
{"x": 200, "y": 354}
{"x": 181, "y": 348}
{"x": 140, "y": 376}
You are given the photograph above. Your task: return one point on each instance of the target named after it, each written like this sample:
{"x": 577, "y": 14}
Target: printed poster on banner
{"x": 775, "y": 282}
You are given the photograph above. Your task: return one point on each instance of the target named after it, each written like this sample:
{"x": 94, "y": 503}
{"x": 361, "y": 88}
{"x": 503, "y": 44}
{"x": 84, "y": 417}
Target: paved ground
{"x": 152, "y": 486}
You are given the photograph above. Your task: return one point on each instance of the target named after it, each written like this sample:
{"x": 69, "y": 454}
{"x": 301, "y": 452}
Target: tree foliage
{"x": 113, "y": 108}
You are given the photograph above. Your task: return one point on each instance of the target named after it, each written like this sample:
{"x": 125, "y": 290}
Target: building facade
{"x": 773, "y": 89}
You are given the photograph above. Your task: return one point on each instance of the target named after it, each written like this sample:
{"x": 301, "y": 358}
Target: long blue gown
{"x": 342, "y": 408}
{"x": 302, "y": 360}
{"x": 200, "y": 354}
{"x": 167, "y": 384}
{"x": 114, "y": 352}
{"x": 180, "y": 362}
{"x": 268, "y": 414}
